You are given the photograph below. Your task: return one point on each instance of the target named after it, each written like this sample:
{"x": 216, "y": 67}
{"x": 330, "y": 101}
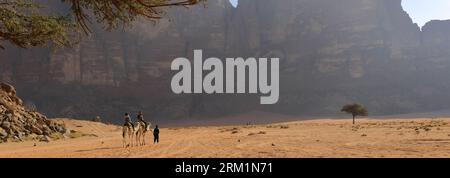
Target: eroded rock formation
{"x": 332, "y": 52}
{"x": 18, "y": 122}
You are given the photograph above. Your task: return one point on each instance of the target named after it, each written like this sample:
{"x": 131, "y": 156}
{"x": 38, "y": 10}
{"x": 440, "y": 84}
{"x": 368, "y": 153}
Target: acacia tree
{"x": 355, "y": 110}
{"x": 25, "y": 23}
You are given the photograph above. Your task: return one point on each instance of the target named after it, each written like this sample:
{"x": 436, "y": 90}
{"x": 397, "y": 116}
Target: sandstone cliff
{"x": 332, "y": 52}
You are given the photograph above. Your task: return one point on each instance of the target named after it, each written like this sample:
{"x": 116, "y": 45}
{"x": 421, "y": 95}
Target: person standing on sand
{"x": 156, "y": 135}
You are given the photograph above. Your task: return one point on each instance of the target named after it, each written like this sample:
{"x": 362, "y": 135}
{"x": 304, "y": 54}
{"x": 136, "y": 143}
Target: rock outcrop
{"x": 332, "y": 53}
{"x": 18, "y": 123}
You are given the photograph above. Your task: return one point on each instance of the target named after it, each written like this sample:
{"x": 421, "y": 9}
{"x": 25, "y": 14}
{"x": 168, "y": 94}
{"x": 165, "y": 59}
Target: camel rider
{"x": 140, "y": 118}
{"x": 128, "y": 120}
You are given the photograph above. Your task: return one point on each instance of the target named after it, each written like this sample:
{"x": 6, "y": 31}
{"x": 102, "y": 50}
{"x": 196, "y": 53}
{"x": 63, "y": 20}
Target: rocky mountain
{"x": 332, "y": 53}
{"x": 18, "y": 122}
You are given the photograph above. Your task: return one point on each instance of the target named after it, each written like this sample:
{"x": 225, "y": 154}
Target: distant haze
{"x": 234, "y": 2}
{"x": 331, "y": 52}
{"x": 424, "y": 11}
{"x": 420, "y": 11}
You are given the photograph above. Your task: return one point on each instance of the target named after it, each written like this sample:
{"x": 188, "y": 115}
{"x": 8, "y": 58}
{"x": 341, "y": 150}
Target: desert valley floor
{"x": 423, "y": 137}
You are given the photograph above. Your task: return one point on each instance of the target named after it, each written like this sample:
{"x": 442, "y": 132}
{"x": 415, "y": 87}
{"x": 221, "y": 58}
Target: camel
{"x": 140, "y": 132}
{"x": 128, "y": 131}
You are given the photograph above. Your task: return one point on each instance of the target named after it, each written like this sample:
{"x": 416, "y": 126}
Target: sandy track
{"x": 319, "y": 138}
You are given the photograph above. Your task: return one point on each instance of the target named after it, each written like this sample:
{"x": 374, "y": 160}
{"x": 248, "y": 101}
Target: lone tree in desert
{"x": 26, "y": 23}
{"x": 355, "y": 110}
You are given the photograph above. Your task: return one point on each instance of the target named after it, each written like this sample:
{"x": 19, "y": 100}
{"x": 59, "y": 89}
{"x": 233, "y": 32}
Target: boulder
{"x": 3, "y": 133}
{"x": 36, "y": 130}
{"x": 6, "y": 125}
{"x": 8, "y": 89}
{"x": 44, "y": 139}
{"x": 19, "y": 135}
{"x": 47, "y": 129}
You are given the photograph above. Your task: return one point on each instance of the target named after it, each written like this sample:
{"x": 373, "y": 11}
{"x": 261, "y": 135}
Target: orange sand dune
{"x": 316, "y": 138}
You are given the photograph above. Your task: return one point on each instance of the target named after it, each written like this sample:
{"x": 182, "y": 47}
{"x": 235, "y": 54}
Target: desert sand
{"x": 422, "y": 137}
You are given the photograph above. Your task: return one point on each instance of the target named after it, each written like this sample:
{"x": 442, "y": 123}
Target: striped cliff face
{"x": 331, "y": 52}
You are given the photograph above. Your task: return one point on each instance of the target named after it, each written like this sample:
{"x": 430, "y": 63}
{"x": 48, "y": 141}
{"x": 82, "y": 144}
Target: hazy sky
{"x": 234, "y": 2}
{"x": 421, "y": 11}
